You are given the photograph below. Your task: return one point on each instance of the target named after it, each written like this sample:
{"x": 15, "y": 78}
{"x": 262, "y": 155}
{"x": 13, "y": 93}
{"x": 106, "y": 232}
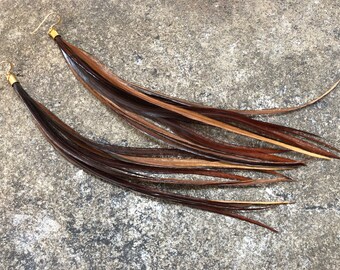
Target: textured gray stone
{"x": 231, "y": 54}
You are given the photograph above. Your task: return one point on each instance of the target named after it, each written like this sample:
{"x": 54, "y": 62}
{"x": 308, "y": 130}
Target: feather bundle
{"x": 170, "y": 119}
{"x": 127, "y": 166}
{"x": 173, "y": 121}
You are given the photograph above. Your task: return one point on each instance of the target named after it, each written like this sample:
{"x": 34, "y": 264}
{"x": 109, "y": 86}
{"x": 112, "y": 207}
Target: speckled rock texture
{"x": 230, "y": 54}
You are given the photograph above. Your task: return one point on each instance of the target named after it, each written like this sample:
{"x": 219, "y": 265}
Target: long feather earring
{"x": 127, "y": 166}
{"x": 170, "y": 119}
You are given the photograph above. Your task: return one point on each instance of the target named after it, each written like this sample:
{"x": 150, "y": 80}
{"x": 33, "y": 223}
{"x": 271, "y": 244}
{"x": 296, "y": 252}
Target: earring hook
{"x": 11, "y": 78}
{"x": 44, "y": 20}
{"x": 10, "y": 66}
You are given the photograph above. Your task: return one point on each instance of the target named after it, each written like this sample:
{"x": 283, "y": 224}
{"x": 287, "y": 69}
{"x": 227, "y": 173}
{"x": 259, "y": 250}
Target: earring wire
{"x": 11, "y": 78}
{"x": 10, "y": 66}
{"x": 44, "y": 20}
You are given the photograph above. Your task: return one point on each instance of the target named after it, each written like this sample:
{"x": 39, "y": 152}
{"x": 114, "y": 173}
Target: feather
{"x": 170, "y": 119}
{"x": 117, "y": 165}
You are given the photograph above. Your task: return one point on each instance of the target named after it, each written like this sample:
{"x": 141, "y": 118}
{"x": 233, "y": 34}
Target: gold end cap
{"x": 11, "y": 78}
{"x": 53, "y": 33}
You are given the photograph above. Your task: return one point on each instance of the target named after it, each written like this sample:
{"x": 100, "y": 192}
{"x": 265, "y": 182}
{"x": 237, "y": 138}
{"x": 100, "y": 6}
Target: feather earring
{"x": 170, "y": 119}
{"x": 127, "y": 166}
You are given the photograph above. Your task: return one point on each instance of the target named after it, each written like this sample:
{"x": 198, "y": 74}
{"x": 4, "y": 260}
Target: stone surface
{"x": 231, "y": 54}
